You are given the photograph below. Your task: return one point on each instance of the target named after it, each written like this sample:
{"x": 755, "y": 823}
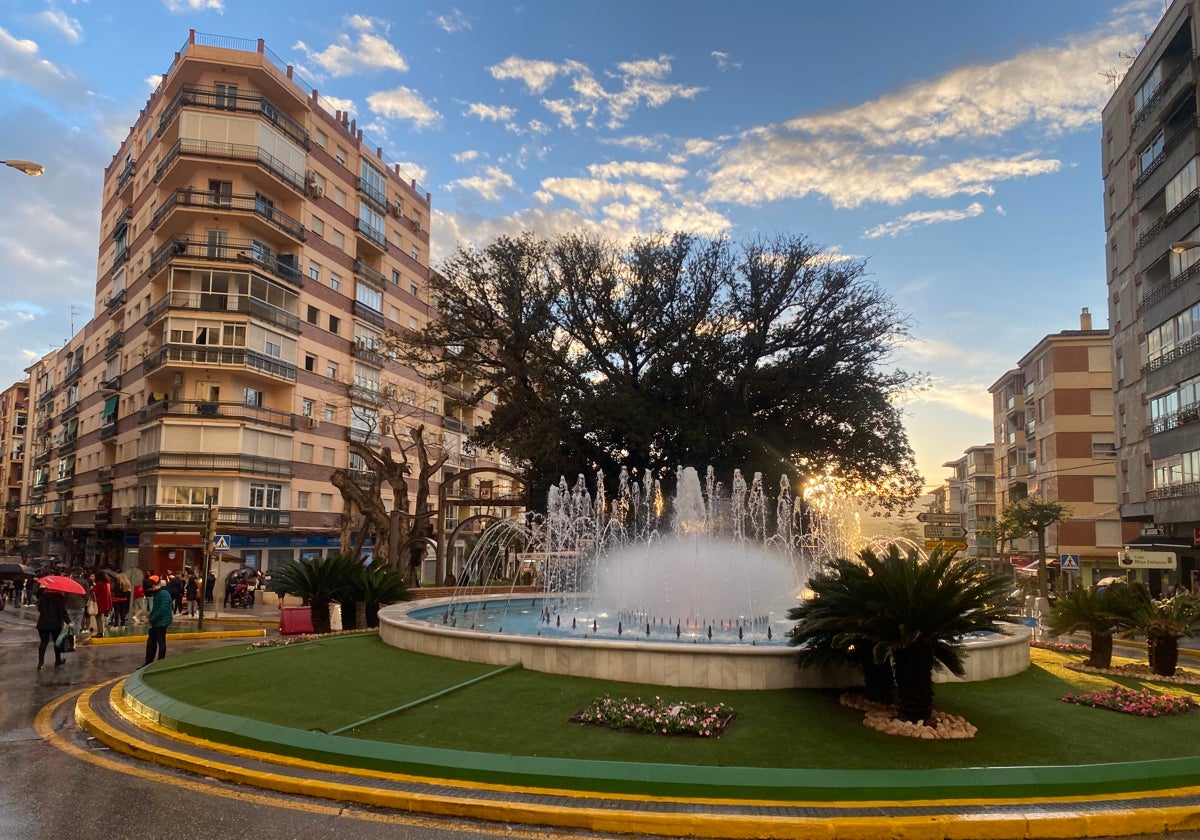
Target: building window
{"x": 340, "y": 155}
{"x": 330, "y": 413}
{"x": 310, "y": 362}
{"x": 369, "y": 296}
{"x": 416, "y": 255}
{"x": 395, "y": 277}
{"x": 302, "y": 500}
{"x": 268, "y": 496}
{"x": 331, "y": 370}
{"x": 306, "y": 453}
{"x": 338, "y": 239}
{"x": 327, "y": 456}
{"x": 252, "y": 397}
{"x": 339, "y": 196}
{"x": 1146, "y": 91}
{"x": 1181, "y": 186}
{"x": 414, "y": 289}
{"x": 1151, "y": 152}
{"x": 313, "y": 314}
{"x": 320, "y": 138}
{"x": 314, "y": 272}
{"x": 318, "y": 226}
{"x": 335, "y": 324}
{"x": 306, "y": 408}
{"x": 335, "y": 283}
{"x": 273, "y": 347}
{"x": 326, "y": 501}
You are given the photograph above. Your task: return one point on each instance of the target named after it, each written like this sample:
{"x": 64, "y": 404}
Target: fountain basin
{"x": 719, "y": 666}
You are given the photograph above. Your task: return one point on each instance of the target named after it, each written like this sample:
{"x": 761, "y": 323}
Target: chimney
{"x": 1085, "y": 319}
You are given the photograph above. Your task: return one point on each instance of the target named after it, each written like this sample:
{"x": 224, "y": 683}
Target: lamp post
{"x": 27, "y": 166}
{"x": 1185, "y": 245}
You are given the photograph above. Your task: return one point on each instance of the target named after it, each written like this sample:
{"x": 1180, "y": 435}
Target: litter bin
{"x": 335, "y": 617}
{"x": 295, "y": 620}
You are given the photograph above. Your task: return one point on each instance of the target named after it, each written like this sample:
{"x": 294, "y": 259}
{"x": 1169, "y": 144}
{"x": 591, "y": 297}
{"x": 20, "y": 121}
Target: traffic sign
{"x": 221, "y": 542}
{"x": 944, "y": 532}
{"x": 1068, "y": 562}
{"x": 956, "y": 545}
{"x": 940, "y": 518}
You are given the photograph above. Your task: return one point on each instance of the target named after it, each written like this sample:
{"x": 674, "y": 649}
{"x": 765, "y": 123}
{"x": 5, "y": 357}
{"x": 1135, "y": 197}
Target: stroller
{"x": 242, "y": 596}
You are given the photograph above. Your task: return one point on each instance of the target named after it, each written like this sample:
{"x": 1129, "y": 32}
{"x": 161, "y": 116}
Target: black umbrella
{"x": 10, "y": 568}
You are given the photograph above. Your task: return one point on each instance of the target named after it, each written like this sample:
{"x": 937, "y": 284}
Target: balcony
{"x": 208, "y": 462}
{"x": 103, "y": 517}
{"x": 222, "y": 357}
{"x": 1165, "y": 92}
{"x": 373, "y": 196}
{"x": 369, "y": 396}
{"x": 453, "y": 424}
{"x": 113, "y": 383}
{"x": 363, "y": 436}
{"x": 195, "y": 96}
{"x": 371, "y": 235}
{"x": 369, "y": 274}
{"x": 64, "y": 482}
{"x": 1185, "y": 416}
{"x": 1161, "y": 290}
{"x": 243, "y": 251}
{"x": 106, "y": 473}
{"x": 115, "y": 343}
{"x": 225, "y": 410}
{"x": 368, "y": 314}
{"x": 115, "y": 301}
{"x": 234, "y": 152}
{"x": 125, "y": 179}
{"x": 69, "y": 412}
{"x": 73, "y": 374}
{"x": 1175, "y": 491}
{"x": 207, "y": 201}
{"x": 197, "y": 515}
{"x": 206, "y": 302}
{"x": 109, "y": 430}
{"x": 363, "y": 352}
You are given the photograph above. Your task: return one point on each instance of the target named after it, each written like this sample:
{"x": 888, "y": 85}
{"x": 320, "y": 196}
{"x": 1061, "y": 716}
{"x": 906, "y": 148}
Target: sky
{"x": 953, "y": 146}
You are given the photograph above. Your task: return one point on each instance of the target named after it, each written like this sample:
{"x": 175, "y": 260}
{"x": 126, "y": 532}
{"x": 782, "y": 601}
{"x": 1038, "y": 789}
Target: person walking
{"x": 209, "y": 585}
{"x": 102, "y": 593}
{"x": 52, "y": 617}
{"x": 160, "y": 619}
{"x": 122, "y": 590}
{"x": 175, "y": 587}
{"x": 192, "y": 592}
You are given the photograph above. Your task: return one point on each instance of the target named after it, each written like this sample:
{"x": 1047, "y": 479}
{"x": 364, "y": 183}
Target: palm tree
{"x": 379, "y": 585}
{"x": 1033, "y": 515}
{"x": 319, "y": 582}
{"x": 830, "y": 629}
{"x": 909, "y": 611}
{"x": 1164, "y": 622}
{"x": 1103, "y": 612}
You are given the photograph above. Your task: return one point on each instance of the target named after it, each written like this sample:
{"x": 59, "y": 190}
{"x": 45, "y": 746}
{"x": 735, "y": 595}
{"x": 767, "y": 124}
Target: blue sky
{"x": 953, "y": 145}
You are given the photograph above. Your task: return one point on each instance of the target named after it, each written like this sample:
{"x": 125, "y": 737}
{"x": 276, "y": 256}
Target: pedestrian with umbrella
{"x": 161, "y": 612}
{"x": 52, "y": 620}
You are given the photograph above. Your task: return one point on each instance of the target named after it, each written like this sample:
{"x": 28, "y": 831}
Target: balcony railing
{"x": 227, "y": 410}
{"x": 371, "y": 234}
{"x": 198, "y": 515}
{"x": 1155, "y": 98}
{"x": 371, "y": 275}
{"x": 108, "y": 431}
{"x": 228, "y": 202}
{"x": 114, "y": 343}
{"x": 106, "y": 473}
{"x": 373, "y": 195}
{"x": 115, "y": 301}
{"x": 232, "y": 357}
{"x": 1161, "y": 290}
{"x": 1169, "y": 143}
{"x": 1178, "y": 352}
{"x": 1175, "y": 490}
{"x": 282, "y": 266}
{"x": 208, "y": 462}
{"x": 203, "y": 97}
{"x": 362, "y": 394}
{"x": 126, "y": 176}
{"x": 232, "y": 151}
{"x": 365, "y": 353}
{"x": 1183, "y": 417}
{"x": 213, "y": 302}
{"x": 367, "y": 313}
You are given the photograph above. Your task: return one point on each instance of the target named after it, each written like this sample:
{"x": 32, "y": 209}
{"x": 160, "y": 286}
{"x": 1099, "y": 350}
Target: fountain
{"x": 624, "y": 597}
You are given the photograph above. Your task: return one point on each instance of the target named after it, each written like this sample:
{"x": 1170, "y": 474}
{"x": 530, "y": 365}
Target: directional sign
{"x": 221, "y": 542}
{"x": 957, "y": 545}
{"x": 944, "y": 532}
{"x": 940, "y": 518}
{"x": 1068, "y": 562}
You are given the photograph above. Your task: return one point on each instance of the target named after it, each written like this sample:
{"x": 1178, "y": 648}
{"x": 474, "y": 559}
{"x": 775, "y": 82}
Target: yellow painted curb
{"x": 215, "y": 634}
{"x": 1121, "y": 821}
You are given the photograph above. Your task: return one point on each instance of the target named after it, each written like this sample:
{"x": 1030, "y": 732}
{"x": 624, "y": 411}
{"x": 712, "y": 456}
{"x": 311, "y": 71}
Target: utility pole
{"x": 208, "y": 540}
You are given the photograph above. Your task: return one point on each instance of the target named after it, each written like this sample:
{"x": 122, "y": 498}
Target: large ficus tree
{"x": 770, "y": 356}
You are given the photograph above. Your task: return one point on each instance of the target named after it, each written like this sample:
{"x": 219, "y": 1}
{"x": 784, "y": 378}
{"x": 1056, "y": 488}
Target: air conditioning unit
{"x": 315, "y": 191}
{"x": 314, "y": 423}
{"x": 310, "y": 177}
{"x": 416, "y": 224}
{"x": 398, "y": 210}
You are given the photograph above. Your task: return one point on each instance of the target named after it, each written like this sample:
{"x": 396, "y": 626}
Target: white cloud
{"x": 918, "y": 141}
{"x": 493, "y": 113}
{"x": 187, "y": 6}
{"x": 488, "y": 186}
{"x": 412, "y": 170}
{"x": 724, "y": 62}
{"x": 454, "y": 22}
{"x": 153, "y": 81}
{"x": 921, "y": 218}
{"x": 638, "y": 169}
{"x": 21, "y": 63}
{"x": 333, "y": 104}
{"x": 587, "y": 101}
{"x": 369, "y": 53}
{"x": 69, "y": 27}
{"x": 404, "y": 103}
{"x": 465, "y": 156}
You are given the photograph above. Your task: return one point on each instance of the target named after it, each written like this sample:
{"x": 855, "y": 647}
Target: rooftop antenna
{"x": 74, "y": 311}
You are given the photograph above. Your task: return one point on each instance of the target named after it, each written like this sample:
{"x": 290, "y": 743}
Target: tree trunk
{"x": 1164, "y": 654}
{"x": 360, "y": 615}
{"x": 320, "y": 616}
{"x": 878, "y": 680}
{"x": 371, "y": 614}
{"x": 914, "y": 680}
{"x": 349, "y": 615}
{"x": 1043, "y": 572}
{"x": 1101, "y": 653}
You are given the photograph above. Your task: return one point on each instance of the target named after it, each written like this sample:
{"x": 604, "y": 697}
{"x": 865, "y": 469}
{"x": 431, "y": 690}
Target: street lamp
{"x": 1185, "y": 245}
{"x": 27, "y": 166}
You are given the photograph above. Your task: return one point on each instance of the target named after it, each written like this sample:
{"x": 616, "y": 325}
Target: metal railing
{"x": 195, "y": 96}
{"x": 232, "y": 151}
{"x": 371, "y": 234}
{"x": 198, "y": 514}
{"x": 219, "y": 357}
{"x": 227, "y": 202}
{"x": 209, "y": 462}
{"x": 223, "y": 303}
{"x": 233, "y": 250}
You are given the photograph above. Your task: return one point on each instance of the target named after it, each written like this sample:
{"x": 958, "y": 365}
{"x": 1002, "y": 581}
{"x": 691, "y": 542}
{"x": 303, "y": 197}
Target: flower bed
{"x": 280, "y": 641}
{"x": 657, "y": 717}
{"x": 1130, "y": 701}
{"x": 1060, "y": 647}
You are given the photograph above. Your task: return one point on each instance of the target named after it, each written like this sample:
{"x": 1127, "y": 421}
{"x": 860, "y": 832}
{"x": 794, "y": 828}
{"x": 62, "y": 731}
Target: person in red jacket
{"x": 102, "y": 592}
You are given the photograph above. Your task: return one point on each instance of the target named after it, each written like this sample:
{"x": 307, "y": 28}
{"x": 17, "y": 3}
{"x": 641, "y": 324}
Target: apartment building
{"x": 1053, "y": 418}
{"x": 970, "y": 492}
{"x": 14, "y": 419}
{"x": 254, "y": 251}
{"x": 1152, "y": 221}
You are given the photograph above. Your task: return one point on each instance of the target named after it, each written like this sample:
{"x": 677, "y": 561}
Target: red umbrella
{"x": 62, "y": 583}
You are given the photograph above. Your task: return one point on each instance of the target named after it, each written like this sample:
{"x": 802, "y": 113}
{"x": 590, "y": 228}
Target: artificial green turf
{"x": 337, "y": 681}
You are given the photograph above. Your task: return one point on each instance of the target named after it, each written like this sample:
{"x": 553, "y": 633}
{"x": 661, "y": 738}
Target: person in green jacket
{"x": 161, "y": 612}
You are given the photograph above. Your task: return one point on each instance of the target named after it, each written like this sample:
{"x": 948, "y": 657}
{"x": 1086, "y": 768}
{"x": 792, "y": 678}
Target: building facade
{"x": 14, "y": 421}
{"x": 971, "y": 493}
{"x": 1152, "y": 221}
{"x": 254, "y": 254}
{"x": 1053, "y": 416}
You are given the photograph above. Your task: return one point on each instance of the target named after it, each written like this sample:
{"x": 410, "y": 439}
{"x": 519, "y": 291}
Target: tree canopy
{"x": 769, "y": 356}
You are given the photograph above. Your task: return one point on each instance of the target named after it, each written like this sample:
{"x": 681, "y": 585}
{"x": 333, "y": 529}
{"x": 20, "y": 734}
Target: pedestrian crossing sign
{"x": 1069, "y": 562}
{"x": 221, "y": 542}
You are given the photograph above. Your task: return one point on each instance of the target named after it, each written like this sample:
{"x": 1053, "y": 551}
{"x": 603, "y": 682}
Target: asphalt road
{"x": 56, "y": 783}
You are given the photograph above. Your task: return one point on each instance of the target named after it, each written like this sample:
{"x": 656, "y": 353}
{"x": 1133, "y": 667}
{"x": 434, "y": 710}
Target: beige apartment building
{"x": 1053, "y": 416}
{"x": 970, "y": 493}
{"x": 254, "y": 251}
{"x": 14, "y": 420}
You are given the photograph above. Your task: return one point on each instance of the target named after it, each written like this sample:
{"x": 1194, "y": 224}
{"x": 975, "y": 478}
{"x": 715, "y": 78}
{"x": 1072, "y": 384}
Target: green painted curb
{"x": 667, "y": 780}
